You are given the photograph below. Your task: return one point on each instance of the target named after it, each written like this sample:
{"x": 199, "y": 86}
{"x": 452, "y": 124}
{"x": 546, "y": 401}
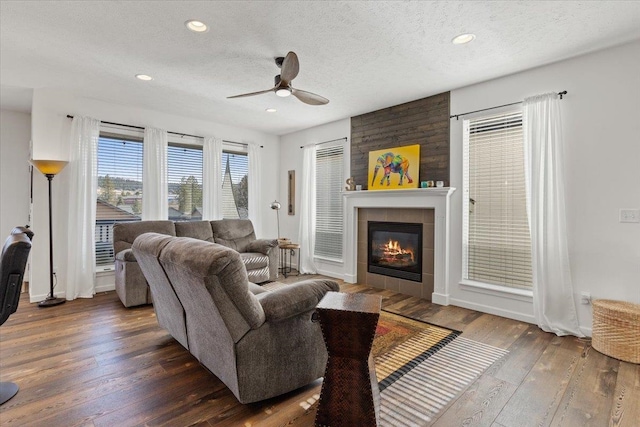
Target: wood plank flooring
{"x": 92, "y": 362}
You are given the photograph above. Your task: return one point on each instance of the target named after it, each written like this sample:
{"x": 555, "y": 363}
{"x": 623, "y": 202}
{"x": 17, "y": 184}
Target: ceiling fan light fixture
{"x": 463, "y": 38}
{"x": 283, "y": 92}
{"x": 196, "y": 26}
{"x": 271, "y": 110}
{"x": 144, "y": 77}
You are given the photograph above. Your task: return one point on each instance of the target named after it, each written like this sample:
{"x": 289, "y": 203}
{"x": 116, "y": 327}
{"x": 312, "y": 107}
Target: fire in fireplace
{"x": 395, "y": 249}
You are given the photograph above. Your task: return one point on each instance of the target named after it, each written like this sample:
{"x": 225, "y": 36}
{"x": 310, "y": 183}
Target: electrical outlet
{"x": 585, "y": 298}
{"x": 629, "y": 215}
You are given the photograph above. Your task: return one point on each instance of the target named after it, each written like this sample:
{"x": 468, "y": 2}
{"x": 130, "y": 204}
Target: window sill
{"x": 105, "y": 268}
{"x": 496, "y": 290}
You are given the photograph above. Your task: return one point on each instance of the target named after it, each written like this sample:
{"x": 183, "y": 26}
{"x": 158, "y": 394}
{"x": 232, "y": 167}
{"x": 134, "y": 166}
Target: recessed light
{"x": 463, "y": 38}
{"x": 271, "y": 110}
{"x": 196, "y": 26}
{"x": 143, "y": 77}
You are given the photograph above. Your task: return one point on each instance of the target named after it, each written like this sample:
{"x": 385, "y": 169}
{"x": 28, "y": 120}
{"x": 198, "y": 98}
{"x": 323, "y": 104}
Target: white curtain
{"x": 83, "y": 189}
{"x": 255, "y": 176}
{"x": 155, "y": 193}
{"x": 212, "y": 178}
{"x": 307, "y": 230}
{"x": 553, "y": 302}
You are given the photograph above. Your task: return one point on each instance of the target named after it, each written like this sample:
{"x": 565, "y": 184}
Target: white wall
{"x": 291, "y": 159}
{"x": 601, "y": 115}
{"x": 15, "y": 134}
{"x": 50, "y": 133}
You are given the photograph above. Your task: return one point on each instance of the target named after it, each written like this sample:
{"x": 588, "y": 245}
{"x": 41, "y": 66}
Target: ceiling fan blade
{"x": 251, "y": 94}
{"x": 290, "y": 68}
{"x": 308, "y": 97}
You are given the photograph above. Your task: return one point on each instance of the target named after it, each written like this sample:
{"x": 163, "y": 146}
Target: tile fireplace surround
{"x": 409, "y": 202}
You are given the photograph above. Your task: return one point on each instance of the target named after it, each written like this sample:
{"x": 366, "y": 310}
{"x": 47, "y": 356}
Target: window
{"x": 329, "y": 180}
{"x": 497, "y": 244}
{"x": 119, "y": 190}
{"x": 184, "y": 174}
{"x": 235, "y": 185}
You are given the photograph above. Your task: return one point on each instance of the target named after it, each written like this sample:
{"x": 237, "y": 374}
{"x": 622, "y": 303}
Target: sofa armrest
{"x": 295, "y": 299}
{"x": 126, "y": 255}
{"x": 262, "y": 246}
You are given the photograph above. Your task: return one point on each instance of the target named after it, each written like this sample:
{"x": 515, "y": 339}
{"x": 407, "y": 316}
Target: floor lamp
{"x": 275, "y": 205}
{"x": 50, "y": 168}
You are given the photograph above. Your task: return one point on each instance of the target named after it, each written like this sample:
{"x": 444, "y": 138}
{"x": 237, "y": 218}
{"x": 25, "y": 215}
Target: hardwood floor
{"x": 92, "y": 362}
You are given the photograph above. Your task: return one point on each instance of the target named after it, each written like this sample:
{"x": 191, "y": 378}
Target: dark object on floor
{"x": 12, "y": 264}
{"x": 350, "y": 395}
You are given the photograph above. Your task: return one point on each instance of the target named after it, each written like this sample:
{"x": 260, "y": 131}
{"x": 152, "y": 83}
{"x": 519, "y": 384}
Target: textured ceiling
{"x": 361, "y": 55}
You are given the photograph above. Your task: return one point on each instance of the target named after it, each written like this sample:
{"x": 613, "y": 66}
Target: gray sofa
{"x": 259, "y": 343}
{"x": 260, "y": 256}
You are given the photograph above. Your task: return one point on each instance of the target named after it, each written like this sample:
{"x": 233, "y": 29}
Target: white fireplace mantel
{"x": 420, "y": 198}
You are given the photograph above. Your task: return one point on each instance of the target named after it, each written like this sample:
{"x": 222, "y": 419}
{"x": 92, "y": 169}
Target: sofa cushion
{"x": 195, "y": 229}
{"x": 256, "y": 289}
{"x": 254, "y": 260}
{"x": 126, "y": 255}
{"x": 236, "y": 234}
{"x": 124, "y": 233}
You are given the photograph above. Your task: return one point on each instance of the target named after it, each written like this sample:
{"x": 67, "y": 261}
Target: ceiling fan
{"x": 289, "y": 68}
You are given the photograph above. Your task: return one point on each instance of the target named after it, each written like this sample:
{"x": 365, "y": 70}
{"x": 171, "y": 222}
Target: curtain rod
{"x": 173, "y": 133}
{"x": 564, "y": 92}
{"x": 325, "y": 142}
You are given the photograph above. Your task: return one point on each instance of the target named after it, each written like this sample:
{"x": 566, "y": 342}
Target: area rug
{"x": 421, "y": 372}
{"x": 421, "y": 367}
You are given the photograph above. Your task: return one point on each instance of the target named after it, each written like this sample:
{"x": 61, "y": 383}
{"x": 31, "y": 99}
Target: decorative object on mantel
{"x": 403, "y": 161}
{"x": 50, "y": 168}
{"x": 351, "y": 184}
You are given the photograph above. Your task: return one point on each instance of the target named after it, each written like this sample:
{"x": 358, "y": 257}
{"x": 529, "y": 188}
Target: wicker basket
{"x": 616, "y": 329}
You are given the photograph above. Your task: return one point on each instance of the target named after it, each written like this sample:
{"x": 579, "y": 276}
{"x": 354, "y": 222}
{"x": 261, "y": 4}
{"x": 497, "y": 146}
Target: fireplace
{"x": 395, "y": 249}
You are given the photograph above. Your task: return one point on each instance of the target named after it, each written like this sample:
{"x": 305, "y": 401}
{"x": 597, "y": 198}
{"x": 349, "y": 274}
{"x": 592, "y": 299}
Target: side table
{"x": 350, "y": 395}
{"x": 288, "y": 249}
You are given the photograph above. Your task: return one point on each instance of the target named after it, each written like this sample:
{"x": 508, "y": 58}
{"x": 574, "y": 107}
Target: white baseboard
{"x": 350, "y": 278}
{"x": 440, "y": 299}
{"x": 332, "y": 274}
{"x": 106, "y": 288}
{"x": 493, "y": 310}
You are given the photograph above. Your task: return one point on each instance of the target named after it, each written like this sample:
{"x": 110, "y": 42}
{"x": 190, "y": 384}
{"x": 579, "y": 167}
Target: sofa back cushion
{"x": 195, "y": 229}
{"x": 168, "y": 308}
{"x": 124, "y": 233}
{"x": 210, "y": 281}
{"x": 233, "y": 233}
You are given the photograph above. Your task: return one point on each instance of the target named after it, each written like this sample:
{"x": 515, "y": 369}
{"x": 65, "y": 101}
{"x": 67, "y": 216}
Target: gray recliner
{"x": 259, "y": 343}
{"x": 13, "y": 262}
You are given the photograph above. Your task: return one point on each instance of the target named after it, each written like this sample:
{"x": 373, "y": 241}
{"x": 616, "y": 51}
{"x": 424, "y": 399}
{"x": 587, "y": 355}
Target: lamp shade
{"x": 49, "y": 167}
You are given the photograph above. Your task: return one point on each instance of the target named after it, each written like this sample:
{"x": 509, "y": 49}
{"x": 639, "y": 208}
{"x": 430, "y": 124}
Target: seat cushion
{"x": 254, "y": 260}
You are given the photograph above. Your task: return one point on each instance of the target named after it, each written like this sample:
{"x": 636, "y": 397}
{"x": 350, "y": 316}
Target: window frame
{"x": 235, "y": 149}
{"x": 520, "y": 292}
{"x": 342, "y": 143}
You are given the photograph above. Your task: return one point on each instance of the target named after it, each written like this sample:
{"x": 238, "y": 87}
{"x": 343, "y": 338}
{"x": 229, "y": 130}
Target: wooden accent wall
{"x": 424, "y": 122}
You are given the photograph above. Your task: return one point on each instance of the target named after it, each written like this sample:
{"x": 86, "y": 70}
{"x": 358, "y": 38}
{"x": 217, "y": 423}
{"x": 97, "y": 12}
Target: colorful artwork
{"x": 394, "y": 168}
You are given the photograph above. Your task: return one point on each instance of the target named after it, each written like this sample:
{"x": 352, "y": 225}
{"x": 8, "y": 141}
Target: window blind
{"x": 497, "y": 244}
{"x": 329, "y": 223}
{"x": 235, "y": 185}
{"x": 119, "y": 190}
{"x": 184, "y": 175}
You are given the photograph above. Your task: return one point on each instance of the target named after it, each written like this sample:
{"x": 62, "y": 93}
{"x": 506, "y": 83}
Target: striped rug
{"x": 420, "y": 376}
